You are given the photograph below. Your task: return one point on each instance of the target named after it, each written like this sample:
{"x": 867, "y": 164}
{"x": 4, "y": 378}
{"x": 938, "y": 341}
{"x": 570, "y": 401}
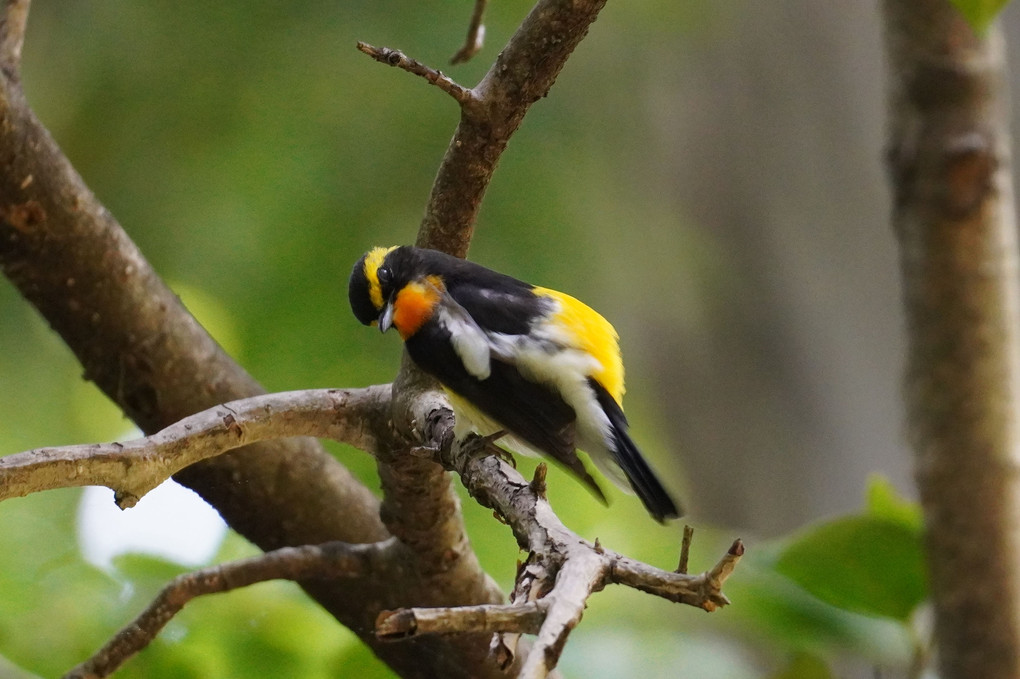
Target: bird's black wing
{"x": 530, "y": 411}
{"x": 497, "y": 302}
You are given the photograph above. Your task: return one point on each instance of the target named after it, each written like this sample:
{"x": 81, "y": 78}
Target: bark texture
{"x": 954, "y": 216}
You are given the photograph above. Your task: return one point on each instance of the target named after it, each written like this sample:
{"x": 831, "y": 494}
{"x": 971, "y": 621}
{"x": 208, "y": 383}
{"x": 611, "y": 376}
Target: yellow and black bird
{"x": 530, "y": 361}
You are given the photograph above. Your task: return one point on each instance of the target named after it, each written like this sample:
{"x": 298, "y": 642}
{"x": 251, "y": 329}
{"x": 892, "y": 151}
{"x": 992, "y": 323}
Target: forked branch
{"x": 562, "y": 570}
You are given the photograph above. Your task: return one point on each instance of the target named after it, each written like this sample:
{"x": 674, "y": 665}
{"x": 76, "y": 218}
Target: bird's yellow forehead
{"x": 373, "y": 260}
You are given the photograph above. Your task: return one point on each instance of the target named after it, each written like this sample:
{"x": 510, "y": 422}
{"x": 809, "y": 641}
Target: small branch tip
{"x": 537, "y": 484}
{"x": 685, "y": 549}
{"x": 393, "y": 57}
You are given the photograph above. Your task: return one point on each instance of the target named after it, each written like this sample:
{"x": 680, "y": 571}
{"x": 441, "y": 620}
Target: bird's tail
{"x": 643, "y": 480}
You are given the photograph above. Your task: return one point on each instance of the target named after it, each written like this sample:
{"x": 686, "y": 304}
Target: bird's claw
{"x": 475, "y": 444}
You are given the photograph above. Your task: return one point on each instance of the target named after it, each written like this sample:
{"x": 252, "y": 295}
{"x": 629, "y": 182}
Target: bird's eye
{"x": 384, "y": 275}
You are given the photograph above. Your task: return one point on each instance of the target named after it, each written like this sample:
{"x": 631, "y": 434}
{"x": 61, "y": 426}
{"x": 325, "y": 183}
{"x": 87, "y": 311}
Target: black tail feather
{"x": 643, "y": 480}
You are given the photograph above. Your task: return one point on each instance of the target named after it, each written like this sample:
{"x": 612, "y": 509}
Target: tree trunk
{"x": 955, "y": 220}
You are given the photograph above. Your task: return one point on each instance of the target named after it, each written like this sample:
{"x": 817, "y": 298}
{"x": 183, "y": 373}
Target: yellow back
{"x": 592, "y": 333}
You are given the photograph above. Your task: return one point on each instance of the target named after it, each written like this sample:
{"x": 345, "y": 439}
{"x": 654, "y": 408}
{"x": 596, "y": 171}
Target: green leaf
{"x": 980, "y": 13}
{"x": 883, "y": 501}
{"x": 866, "y": 564}
{"x": 792, "y": 619}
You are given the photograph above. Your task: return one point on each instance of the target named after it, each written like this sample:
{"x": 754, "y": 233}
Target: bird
{"x": 535, "y": 364}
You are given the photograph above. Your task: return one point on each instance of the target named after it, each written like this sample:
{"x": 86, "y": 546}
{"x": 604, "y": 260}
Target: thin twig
{"x": 721, "y": 572}
{"x": 701, "y": 591}
{"x": 476, "y": 35}
{"x": 330, "y": 560}
{"x": 685, "y": 549}
{"x": 397, "y": 58}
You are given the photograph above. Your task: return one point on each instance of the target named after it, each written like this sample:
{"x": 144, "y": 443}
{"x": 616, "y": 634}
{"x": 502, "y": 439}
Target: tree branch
{"x": 552, "y": 587}
{"x": 133, "y": 468}
{"x": 523, "y": 73}
{"x": 562, "y": 568}
{"x": 328, "y": 561}
{"x": 385, "y": 55}
{"x": 71, "y": 259}
{"x": 954, "y": 215}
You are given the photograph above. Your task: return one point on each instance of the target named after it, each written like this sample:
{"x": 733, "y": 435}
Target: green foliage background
{"x": 254, "y": 154}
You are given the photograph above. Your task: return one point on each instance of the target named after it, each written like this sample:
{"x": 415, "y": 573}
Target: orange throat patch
{"x": 415, "y": 304}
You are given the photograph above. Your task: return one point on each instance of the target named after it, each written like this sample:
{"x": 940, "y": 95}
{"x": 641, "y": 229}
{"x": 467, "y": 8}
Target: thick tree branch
{"x": 523, "y": 73}
{"x": 70, "y": 258}
{"x": 954, "y": 214}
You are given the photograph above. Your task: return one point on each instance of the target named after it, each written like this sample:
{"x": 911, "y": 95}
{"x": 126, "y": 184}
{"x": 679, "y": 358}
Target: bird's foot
{"x": 475, "y": 444}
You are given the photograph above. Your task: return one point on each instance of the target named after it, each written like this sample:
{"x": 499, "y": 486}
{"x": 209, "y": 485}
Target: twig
{"x": 701, "y": 591}
{"x": 385, "y": 55}
{"x": 330, "y": 560}
{"x": 407, "y": 622}
{"x": 685, "y": 549}
{"x": 135, "y": 467}
{"x": 476, "y": 35}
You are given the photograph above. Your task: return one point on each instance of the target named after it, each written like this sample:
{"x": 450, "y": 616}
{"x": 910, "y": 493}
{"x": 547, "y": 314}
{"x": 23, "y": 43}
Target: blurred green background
{"x": 708, "y": 175}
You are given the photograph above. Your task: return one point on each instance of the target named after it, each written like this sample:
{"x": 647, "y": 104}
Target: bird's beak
{"x": 386, "y": 317}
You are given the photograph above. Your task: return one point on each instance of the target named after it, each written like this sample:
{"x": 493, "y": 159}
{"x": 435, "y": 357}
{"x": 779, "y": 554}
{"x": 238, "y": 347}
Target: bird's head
{"x": 390, "y": 287}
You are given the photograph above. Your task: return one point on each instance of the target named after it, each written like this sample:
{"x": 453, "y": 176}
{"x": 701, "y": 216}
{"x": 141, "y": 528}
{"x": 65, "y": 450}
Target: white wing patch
{"x": 469, "y": 341}
{"x": 547, "y": 355}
